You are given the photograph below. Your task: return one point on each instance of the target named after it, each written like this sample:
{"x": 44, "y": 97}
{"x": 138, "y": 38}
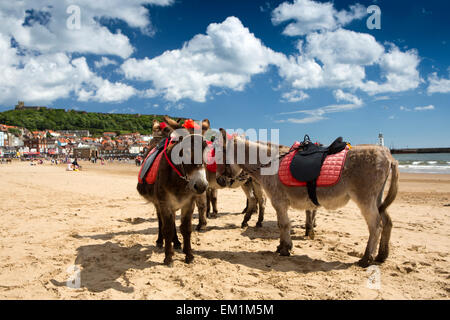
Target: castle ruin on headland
{"x": 21, "y": 106}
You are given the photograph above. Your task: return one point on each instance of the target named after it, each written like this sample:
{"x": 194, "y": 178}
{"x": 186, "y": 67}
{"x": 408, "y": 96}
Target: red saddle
{"x": 330, "y": 172}
{"x": 150, "y": 178}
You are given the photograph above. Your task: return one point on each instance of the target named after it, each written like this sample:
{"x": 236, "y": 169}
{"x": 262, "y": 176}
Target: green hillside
{"x": 96, "y": 123}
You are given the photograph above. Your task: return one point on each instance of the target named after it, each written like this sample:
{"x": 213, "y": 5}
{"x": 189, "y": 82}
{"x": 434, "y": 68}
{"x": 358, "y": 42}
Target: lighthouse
{"x": 380, "y": 140}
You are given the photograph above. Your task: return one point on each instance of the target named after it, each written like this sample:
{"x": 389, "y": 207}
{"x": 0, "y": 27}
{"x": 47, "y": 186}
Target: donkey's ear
{"x": 205, "y": 125}
{"x": 167, "y": 131}
{"x": 224, "y": 136}
{"x": 155, "y": 126}
{"x": 172, "y": 123}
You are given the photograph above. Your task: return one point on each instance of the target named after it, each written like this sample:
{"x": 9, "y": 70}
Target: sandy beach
{"x": 95, "y": 220}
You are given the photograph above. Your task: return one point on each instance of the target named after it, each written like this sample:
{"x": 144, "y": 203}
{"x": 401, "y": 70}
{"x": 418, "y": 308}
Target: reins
{"x": 182, "y": 176}
{"x": 171, "y": 163}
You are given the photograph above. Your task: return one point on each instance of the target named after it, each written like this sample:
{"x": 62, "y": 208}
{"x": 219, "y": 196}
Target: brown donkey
{"x": 158, "y": 135}
{"x": 363, "y": 178}
{"x": 251, "y": 188}
{"x": 177, "y": 186}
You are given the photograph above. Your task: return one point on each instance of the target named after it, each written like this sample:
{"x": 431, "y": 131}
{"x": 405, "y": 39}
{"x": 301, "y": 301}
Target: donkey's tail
{"x": 393, "y": 189}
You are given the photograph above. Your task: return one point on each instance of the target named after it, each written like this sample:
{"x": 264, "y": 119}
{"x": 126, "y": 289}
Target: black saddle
{"x": 307, "y": 162}
{"x": 151, "y": 158}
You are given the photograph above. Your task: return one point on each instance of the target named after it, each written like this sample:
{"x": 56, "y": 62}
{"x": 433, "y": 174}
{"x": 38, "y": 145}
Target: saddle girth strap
{"x": 311, "y": 187}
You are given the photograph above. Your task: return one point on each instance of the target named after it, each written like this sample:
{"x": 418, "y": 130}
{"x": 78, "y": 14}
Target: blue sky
{"x": 301, "y": 66}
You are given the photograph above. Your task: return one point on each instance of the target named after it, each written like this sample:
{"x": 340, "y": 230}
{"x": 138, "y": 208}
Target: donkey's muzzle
{"x": 200, "y": 187}
{"x": 221, "y": 181}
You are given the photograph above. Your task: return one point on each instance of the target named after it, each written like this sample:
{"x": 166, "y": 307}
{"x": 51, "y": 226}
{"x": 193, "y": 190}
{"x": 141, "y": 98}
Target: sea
{"x": 424, "y": 162}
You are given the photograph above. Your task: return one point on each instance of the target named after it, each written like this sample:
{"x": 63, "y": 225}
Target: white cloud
{"x": 426, "y": 108}
{"x": 400, "y": 71}
{"x": 305, "y": 120}
{"x": 339, "y": 58}
{"x": 46, "y": 27}
{"x": 308, "y": 16}
{"x": 294, "y": 96}
{"x": 344, "y": 47}
{"x": 334, "y": 57}
{"x": 342, "y": 96}
{"x": 319, "y": 114}
{"x": 36, "y": 49}
{"x": 105, "y": 91}
{"x": 437, "y": 84}
{"x": 226, "y": 56}
{"x": 47, "y": 77}
{"x": 315, "y": 115}
{"x": 403, "y": 108}
{"x": 381, "y": 98}
{"x": 103, "y": 62}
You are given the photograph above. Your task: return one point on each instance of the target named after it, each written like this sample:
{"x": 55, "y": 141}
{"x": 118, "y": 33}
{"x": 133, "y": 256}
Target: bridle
{"x": 183, "y": 175}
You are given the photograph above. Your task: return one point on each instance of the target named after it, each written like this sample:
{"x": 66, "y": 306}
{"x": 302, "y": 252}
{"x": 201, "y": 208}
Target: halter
{"x": 182, "y": 176}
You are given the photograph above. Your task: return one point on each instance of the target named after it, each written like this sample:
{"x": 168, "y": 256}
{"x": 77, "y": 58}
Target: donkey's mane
{"x": 265, "y": 145}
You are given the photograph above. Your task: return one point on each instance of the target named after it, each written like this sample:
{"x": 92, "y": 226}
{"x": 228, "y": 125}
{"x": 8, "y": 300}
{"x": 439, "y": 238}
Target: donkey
{"x": 363, "y": 178}
{"x": 177, "y": 186}
{"x": 251, "y": 188}
{"x": 158, "y": 135}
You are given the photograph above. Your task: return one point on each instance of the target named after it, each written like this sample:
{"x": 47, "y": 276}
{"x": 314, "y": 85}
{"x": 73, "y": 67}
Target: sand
{"x": 53, "y": 220}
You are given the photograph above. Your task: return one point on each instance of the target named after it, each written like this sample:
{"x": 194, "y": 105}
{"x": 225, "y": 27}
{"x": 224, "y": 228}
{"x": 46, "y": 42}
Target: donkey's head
{"x": 227, "y": 168}
{"x": 187, "y": 153}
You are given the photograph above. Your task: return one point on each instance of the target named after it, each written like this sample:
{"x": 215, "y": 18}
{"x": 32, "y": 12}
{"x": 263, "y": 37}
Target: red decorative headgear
{"x": 190, "y": 124}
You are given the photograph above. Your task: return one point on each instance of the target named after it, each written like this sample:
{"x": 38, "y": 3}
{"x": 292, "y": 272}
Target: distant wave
{"x": 424, "y": 163}
{"x": 428, "y": 168}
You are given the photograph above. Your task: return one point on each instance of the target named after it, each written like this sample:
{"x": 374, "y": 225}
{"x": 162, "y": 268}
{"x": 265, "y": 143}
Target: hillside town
{"x": 16, "y": 142}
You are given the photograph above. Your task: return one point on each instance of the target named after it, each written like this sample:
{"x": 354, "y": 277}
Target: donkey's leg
{"x": 168, "y": 222}
{"x": 160, "y": 240}
{"x": 208, "y": 202}
{"x": 373, "y": 220}
{"x": 186, "y": 230}
{"x": 214, "y": 202}
{"x": 284, "y": 225}
{"x": 261, "y": 198}
{"x": 246, "y": 207}
{"x": 176, "y": 241}
{"x": 310, "y": 223}
{"x": 252, "y": 204}
{"x": 383, "y": 251}
{"x": 201, "y": 201}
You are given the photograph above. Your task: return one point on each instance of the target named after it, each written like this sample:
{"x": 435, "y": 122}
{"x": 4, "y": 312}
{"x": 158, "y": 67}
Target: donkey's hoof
{"x": 309, "y": 234}
{"x": 365, "y": 262}
{"x": 283, "y": 250}
{"x": 189, "y": 258}
{"x": 168, "y": 261}
{"x": 159, "y": 244}
{"x": 177, "y": 245}
{"x": 212, "y": 215}
{"x": 259, "y": 224}
{"x": 381, "y": 257}
{"x": 200, "y": 227}
{"x": 244, "y": 224}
